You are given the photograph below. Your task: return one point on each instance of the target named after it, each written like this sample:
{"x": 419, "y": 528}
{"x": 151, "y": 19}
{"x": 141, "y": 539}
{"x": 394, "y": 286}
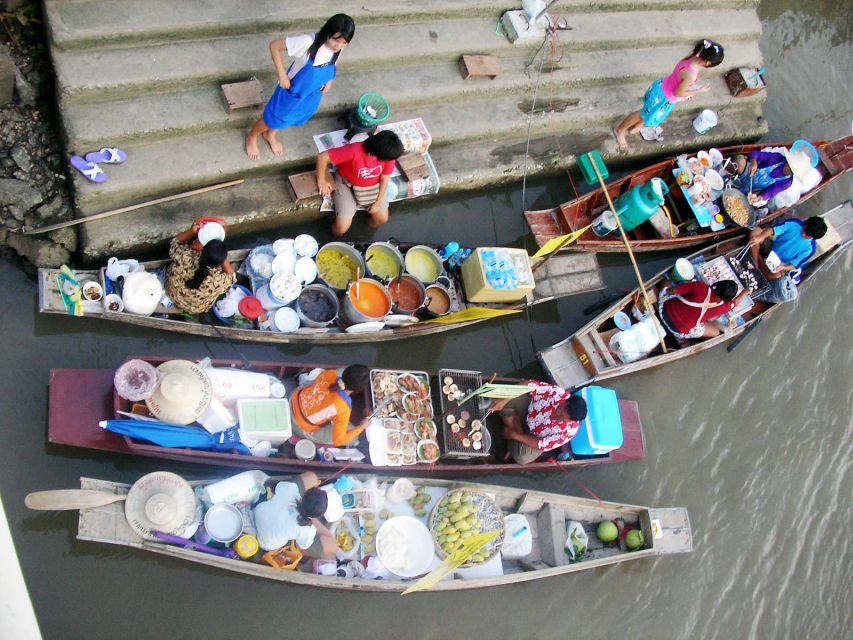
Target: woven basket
{"x": 373, "y": 109}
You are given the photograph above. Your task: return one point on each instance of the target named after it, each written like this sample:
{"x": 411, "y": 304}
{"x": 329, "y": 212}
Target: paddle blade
{"x": 67, "y": 499}
{"x": 460, "y": 556}
{"x": 473, "y": 313}
{"x": 560, "y": 241}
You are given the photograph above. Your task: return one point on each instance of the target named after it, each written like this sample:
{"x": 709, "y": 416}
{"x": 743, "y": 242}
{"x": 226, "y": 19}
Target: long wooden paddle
{"x": 68, "y": 499}
{"x": 133, "y": 207}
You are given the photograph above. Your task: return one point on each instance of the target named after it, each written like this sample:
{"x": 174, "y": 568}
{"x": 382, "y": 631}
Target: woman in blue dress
{"x": 301, "y": 87}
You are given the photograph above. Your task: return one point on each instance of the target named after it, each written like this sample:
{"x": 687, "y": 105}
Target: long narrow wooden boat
{"x": 585, "y": 356}
{"x": 80, "y": 398}
{"x": 836, "y": 158}
{"x": 561, "y": 276}
{"x": 665, "y": 531}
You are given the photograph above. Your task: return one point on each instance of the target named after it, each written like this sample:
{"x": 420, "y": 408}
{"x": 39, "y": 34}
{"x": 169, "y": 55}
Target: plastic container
{"x": 497, "y": 275}
{"x": 246, "y": 546}
{"x": 401, "y": 490}
{"x": 622, "y": 321}
{"x": 250, "y": 308}
{"x": 135, "y": 380}
{"x": 682, "y": 271}
{"x": 601, "y": 431}
{"x": 604, "y": 224}
{"x": 287, "y": 282}
{"x": 265, "y": 419}
{"x": 705, "y": 121}
{"x": 640, "y": 203}
{"x": 585, "y": 162}
{"x": 242, "y": 488}
{"x": 305, "y": 450}
{"x": 285, "y": 320}
{"x": 317, "y": 306}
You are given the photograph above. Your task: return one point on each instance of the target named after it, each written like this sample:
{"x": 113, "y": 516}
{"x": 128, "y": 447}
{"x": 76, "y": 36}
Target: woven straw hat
{"x": 183, "y": 394}
{"x": 162, "y": 501}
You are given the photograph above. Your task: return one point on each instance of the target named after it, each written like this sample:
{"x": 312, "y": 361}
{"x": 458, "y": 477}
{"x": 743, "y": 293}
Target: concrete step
{"x": 185, "y": 162}
{"x": 99, "y": 23}
{"x": 263, "y": 203}
{"x": 158, "y": 116}
{"x": 136, "y": 70}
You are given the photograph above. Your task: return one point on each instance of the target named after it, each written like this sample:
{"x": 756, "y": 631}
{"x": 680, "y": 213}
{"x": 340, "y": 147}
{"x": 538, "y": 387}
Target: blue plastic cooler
{"x": 601, "y": 432}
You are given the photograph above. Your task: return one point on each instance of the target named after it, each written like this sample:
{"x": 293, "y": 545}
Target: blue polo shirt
{"x": 789, "y": 243}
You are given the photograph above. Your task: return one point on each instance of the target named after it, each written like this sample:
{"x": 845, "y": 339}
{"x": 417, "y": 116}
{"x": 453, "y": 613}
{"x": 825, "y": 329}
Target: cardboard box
{"x": 479, "y": 275}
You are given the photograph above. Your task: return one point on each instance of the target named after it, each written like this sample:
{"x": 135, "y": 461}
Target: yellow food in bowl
{"x": 336, "y": 268}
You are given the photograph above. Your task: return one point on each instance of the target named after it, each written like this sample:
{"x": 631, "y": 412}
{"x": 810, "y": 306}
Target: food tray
{"x": 400, "y": 443}
{"x": 489, "y": 515}
{"x": 385, "y": 382}
{"x": 454, "y": 439}
{"x": 718, "y": 269}
{"x": 747, "y": 273}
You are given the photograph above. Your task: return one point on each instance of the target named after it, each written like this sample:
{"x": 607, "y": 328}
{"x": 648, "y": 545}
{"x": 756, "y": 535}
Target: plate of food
{"x": 426, "y": 429}
{"x": 346, "y": 535}
{"x": 428, "y": 451}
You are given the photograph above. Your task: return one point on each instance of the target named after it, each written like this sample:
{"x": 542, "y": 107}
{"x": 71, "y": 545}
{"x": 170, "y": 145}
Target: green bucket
{"x": 586, "y": 164}
{"x": 373, "y": 109}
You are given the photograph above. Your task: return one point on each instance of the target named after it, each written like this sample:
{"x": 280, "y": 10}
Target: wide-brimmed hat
{"x": 335, "y": 508}
{"x": 183, "y": 393}
{"x": 162, "y": 501}
{"x": 141, "y": 292}
{"x": 802, "y": 158}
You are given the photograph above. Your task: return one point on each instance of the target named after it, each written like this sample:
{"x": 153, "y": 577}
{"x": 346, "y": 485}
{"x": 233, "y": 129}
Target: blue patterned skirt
{"x": 656, "y": 107}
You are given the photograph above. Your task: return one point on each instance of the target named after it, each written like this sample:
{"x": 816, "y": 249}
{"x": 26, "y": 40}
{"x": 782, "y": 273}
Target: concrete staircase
{"x": 145, "y": 74}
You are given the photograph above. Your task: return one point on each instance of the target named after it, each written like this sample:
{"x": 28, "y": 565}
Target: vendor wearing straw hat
{"x": 297, "y": 512}
{"x": 195, "y": 280}
{"x": 321, "y": 410}
{"x": 771, "y": 171}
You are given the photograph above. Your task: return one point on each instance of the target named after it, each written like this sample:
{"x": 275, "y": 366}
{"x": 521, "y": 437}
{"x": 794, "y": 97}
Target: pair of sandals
{"x": 89, "y": 166}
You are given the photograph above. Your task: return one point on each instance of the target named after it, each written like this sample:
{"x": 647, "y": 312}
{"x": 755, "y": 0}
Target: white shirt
{"x": 276, "y": 520}
{"x": 297, "y": 49}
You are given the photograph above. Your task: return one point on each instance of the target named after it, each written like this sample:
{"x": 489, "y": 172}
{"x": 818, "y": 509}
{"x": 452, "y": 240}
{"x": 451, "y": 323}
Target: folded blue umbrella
{"x": 165, "y": 434}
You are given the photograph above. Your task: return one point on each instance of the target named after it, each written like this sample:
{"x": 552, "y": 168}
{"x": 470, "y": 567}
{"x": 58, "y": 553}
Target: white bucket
{"x": 705, "y": 121}
{"x": 604, "y": 224}
{"x": 683, "y": 271}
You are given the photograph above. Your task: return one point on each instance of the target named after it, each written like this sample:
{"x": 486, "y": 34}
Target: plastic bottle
{"x": 449, "y": 250}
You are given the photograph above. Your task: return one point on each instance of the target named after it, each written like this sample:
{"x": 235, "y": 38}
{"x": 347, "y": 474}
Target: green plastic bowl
{"x": 373, "y": 109}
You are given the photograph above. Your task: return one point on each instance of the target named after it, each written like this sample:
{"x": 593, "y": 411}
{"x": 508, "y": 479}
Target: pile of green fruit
{"x": 368, "y": 538}
{"x": 419, "y": 502}
{"x": 456, "y": 518}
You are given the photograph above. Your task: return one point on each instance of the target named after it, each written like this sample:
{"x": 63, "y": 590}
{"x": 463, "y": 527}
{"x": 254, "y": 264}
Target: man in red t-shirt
{"x": 361, "y": 182}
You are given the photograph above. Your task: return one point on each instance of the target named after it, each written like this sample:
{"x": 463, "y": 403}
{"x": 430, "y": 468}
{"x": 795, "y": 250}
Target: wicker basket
{"x": 373, "y": 109}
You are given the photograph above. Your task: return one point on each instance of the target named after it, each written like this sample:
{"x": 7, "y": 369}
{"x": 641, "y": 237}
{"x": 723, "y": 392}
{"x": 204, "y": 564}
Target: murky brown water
{"x": 756, "y": 443}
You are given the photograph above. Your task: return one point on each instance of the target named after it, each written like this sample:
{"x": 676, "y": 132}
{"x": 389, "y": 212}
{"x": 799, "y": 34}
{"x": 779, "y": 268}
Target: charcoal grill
{"x": 467, "y": 381}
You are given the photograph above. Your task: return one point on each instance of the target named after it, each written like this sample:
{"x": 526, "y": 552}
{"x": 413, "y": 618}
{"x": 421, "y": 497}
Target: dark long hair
{"x": 339, "y": 23}
{"x": 709, "y": 51}
{"x": 385, "y": 145}
{"x": 313, "y": 505}
{"x": 213, "y": 254}
{"x": 725, "y": 289}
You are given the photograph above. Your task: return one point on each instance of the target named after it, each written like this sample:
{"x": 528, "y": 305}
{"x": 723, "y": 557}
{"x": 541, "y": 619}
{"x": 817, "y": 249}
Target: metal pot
{"x": 419, "y": 286}
{"x": 365, "y": 287}
{"x": 388, "y": 249}
{"x": 347, "y": 250}
{"x": 430, "y": 255}
{"x": 327, "y": 293}
{"x": 436, "y": 294}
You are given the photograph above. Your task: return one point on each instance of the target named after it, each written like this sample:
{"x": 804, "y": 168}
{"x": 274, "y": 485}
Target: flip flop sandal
{"x": 107, "y": 155}
{"x": 90, "y": 170}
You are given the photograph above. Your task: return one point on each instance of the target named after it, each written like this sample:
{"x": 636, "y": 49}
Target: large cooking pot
{"x": 408, "y": 294}
{"x": 384, "y": 260}
{"x": 424, "y": 263}
{"x": 317, "y": 306}
{"x": 366, "y": 300}
{"x": 732, "y": 198}
{"x": 346, "y": 250}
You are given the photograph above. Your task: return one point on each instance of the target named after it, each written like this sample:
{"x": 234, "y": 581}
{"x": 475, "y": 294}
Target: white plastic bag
{"x": 243, "y": 488}
{"x": 576, "y": 540}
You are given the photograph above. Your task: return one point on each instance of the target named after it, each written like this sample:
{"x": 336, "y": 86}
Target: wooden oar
{"x": 67, "y": 499}
{"x": 133, "y": 207}
{"x": 734, "y": 343}
{"x": 649, "y": 307}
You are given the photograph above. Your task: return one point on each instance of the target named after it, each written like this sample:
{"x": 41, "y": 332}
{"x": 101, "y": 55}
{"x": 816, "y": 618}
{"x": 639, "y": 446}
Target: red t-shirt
{"x": 358, "y": 167}
{"x": 684, "y": 317}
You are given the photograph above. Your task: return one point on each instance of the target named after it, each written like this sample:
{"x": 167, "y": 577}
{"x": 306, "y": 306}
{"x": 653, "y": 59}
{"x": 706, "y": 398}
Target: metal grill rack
{"x": 467, "y": 381}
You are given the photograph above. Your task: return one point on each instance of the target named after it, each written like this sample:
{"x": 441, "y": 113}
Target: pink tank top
{"x": 671, "y": 82}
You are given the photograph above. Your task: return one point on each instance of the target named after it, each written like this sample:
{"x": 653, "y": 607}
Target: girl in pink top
{"x": 661, "y": 97}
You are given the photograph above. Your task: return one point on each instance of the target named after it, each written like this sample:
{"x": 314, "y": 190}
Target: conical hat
{"x": 162, "y": 501}
{"x": 183, "y": 394}
{"x": 799, "y": 162}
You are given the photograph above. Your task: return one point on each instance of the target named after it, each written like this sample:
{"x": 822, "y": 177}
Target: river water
{"x": 756, "y": 444}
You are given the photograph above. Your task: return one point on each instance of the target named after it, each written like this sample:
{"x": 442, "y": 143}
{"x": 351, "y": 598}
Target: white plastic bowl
{"x": 405, "y": 546}
{"x": 284, "y": 245}
{"x": 305, "y": 245}
{"x": 305, "y": 269}
{"x": 284, "y": 263}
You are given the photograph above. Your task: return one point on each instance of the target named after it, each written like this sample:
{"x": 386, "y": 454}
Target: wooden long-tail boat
{"x": 586, "y": 357}
{"x": 664, "y": 531}
{"x": 561, "y": 276}
{"x": 80, "y": 398}
{"x": 836, "y": 158}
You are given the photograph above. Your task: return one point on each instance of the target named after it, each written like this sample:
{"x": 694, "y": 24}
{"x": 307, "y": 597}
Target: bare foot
{"x": 252, "y": 148}
{"x": 620, "y": 138}
{"x": 270, "y": 136}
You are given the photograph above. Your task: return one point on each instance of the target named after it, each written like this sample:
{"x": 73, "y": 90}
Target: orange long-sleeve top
{"x": 322, "y": 402}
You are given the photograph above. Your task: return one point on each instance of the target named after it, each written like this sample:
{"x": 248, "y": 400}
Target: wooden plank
{"x": 414, "y": 166}
{"x": 303, "y": 185}
{"x": 551, "y": 525}
{"x": 242, "y": 95}
{"x": 528, "y": 503}
{"x": 568, "y": 274}
{"x": 475, "y": 65}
